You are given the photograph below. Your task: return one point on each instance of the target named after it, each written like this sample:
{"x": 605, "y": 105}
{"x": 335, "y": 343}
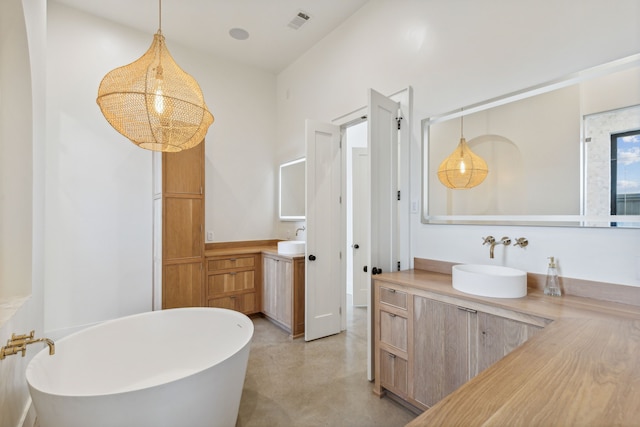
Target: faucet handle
{"x": 489, "y": 239}
{"x": 505, "y": 241}
{"x": 521, "y": 241}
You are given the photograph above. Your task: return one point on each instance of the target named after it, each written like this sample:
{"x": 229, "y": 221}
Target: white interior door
{"x": 383, "y": 176}
{"x": 361, "y": 227}
{"x": 323, "y": 283}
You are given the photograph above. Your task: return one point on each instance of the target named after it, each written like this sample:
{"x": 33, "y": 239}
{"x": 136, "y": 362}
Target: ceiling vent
{"x": 298, "y": 20}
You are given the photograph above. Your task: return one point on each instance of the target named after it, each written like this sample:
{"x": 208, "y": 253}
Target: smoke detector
{"x": 299, "y": 20}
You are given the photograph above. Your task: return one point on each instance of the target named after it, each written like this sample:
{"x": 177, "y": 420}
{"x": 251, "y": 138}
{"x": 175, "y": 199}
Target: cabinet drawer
{"x": 393, "y": 297}
{"x": 393, "y": 330}
{"x": 230, "y": 263}
{"x": 245, "y": 303}
{"x": 230, "y": 282}
{"x": 394, "y": 373}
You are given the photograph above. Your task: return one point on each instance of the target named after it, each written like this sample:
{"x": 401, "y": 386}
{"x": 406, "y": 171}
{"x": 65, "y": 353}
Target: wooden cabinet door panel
{"x": 269, "y": 276}
{"x": 184, "y": 171}
{"x": 230, "y": 282}
{"x": 230, "y": 263}
{"x": 244, "y": 303}
{"x": 284, "y": 292}
{"x": 182, "y": 285}
{"x": 441, "y": 349}
{"x": 498, "y": 336}
{"x": 393, "y": 373}
{"x": 393, "y": 297}
{"x": 183, "y": 220}
{"x": 393, "y": 330}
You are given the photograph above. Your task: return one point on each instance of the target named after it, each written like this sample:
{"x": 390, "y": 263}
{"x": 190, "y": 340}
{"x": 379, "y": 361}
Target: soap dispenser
{"x": 552, "y": 286}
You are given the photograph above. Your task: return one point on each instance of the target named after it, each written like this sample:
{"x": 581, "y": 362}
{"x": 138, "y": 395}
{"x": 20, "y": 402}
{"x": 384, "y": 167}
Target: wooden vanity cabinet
{"x": 283, "y": 291}
{"x": 427, "y": 345}
{"x": 231, "y": 282}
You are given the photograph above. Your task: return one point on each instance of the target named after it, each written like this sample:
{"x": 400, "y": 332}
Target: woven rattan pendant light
{"x": 463, "y": 168}
{"x": 153, "y": 102}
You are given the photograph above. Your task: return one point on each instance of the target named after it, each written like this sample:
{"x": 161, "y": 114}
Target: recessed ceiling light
{"x": 239, "y": 33}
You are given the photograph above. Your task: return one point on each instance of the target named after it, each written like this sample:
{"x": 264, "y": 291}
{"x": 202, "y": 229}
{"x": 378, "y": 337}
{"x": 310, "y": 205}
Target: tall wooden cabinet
{"x": 179, "y": 228}
{"x": 427, "y": 345}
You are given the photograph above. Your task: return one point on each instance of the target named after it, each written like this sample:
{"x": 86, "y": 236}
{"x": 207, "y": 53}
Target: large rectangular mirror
{"x": 292, "y": 190}
{"x": 564, "y": 153}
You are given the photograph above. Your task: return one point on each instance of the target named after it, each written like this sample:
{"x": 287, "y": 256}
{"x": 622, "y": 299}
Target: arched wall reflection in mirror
{"x": 549, "y": 153}
{"x": 292, "y": 190}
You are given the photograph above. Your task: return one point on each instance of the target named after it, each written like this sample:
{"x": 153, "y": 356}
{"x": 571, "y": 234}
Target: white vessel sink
{"x": 489, "y": 280}
{"x": 291, "y": 247}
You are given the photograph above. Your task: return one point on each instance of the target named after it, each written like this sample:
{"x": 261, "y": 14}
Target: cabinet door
{"x": 182, "y": 285}
{"x": 498, "y": 336}
{"x": 184, "y": 171}
{"x": 393, "y": 373}
{"x": 441, "y": 349}
{"x": 393, "y": 330}
{"x": 183, "y": 219}
{"x": 244, "y": 303}
{"x": 233, "y": 281}
{"x": 269, "y": 278}
{"x": 284, "y": 292}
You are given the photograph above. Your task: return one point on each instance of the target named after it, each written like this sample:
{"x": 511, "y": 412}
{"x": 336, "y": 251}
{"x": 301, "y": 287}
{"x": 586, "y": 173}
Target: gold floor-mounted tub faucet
{"x": 19, "y": 343}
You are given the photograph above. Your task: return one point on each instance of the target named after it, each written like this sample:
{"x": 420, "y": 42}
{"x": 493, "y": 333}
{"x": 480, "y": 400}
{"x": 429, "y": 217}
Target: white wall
{"x": 457, "y": 53}
{"x": 22, "y": 112}
{"x": 99, "y": 195}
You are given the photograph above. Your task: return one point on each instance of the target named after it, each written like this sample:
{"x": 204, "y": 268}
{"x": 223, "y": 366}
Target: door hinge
{"x": 399, "y": 120}
{"x": 398, "y": 265}
{"x": 340, "y": 254}
{"x": 398, "y": 194}
{"x": 340, "y": 199}
{"x": 340, "y": 310}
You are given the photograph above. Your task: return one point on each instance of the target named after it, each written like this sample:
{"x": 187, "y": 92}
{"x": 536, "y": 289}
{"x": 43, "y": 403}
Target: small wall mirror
{"x": 292, "y": 190}
{"x": 549, "y": 152}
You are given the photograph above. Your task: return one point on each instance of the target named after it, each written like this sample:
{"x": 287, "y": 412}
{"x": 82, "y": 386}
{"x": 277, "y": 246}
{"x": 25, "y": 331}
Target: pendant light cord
{"x": 160, "y": 16}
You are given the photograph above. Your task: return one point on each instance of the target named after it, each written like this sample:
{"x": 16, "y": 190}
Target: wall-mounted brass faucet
{"x": 490, "y": 240}
{"x": 18, "y": 344}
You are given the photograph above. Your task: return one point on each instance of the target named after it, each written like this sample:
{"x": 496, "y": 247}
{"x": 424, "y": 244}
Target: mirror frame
{"x": 290, "y": 217}
{"x": 621, "y": 221}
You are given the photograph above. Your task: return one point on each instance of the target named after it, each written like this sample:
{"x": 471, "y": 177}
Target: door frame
{"x": 405, "y": 98}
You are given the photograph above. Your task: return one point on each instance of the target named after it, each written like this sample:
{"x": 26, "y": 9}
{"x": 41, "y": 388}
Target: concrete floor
{"x": 318, "y": 383}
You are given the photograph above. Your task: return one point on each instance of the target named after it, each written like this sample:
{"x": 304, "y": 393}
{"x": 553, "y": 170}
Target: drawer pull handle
{"x": 393, "y": 291}
{"x": 392, "y": 356}
{"x": 232, "y": 274}
{"x": 232, "y": 259}
{"x": 470, "y": 310}
{"x": 392, "y": 315}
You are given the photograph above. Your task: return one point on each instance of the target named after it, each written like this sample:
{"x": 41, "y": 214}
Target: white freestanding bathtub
{"x": 180, "y": 367}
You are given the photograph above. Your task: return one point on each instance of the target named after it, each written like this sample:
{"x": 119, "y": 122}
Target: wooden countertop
{"x": 583, "y": 369}
{"x": 245, "y": 250}
{"x": 238, "y": 251}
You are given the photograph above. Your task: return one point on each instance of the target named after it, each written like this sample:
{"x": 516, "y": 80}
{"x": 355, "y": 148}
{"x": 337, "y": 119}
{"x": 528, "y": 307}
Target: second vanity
{"x": 537, "y": 360}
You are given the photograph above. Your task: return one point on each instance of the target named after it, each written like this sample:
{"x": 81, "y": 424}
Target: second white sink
{"x": 489, "y": 280}
{"x": 291, "y": 247}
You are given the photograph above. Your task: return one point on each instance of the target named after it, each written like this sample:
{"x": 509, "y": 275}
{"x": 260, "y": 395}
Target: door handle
{"x": 312, "y": 257}
{"x": 365, "y": 269}
{"x": 356, "y": 246}
{"x": 376, "y": 270}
